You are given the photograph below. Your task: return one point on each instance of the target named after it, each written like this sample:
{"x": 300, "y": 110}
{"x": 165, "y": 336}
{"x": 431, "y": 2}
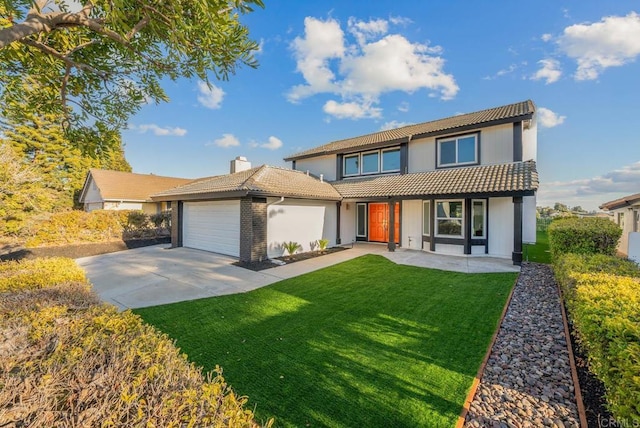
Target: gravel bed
{"x": 527, "y": 381}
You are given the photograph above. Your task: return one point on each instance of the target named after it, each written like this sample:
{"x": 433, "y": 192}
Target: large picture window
{"x": 391, "y": 160}
{"x": 352, "y": 165}
{"x": 370, "y": 162}
{"x": 449, "y": 218}
{"x": 462, "y": 150}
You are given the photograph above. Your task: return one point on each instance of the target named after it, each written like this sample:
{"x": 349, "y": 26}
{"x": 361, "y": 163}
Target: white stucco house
{"x": 117, "y": 190}
{"x": 460, "y": 185}
{"x": 626, "y": 214}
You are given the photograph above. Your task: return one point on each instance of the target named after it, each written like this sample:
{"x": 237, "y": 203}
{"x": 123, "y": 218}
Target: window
{"x": 461, "y": 150}
{"x": 449, "y": 218}
{"x": 391, "y": 160}
{"x": 426, "y": 218}
{"x": 478, "y": 214}
{"x": 361, "y": 220}
{"x": 352, "y": 165}
{"x": 621, "y": 220}
{"x": 370, "y": 163}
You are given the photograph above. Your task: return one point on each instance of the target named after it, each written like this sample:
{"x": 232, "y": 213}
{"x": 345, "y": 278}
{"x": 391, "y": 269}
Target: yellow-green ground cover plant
{"x": 67, "y": 360}
{"x": 602, "y": 294}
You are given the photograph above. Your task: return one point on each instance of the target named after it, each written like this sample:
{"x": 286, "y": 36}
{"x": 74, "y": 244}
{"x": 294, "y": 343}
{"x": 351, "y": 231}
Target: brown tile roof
{"x": 128, "y": 186}
{"x": 509, "y": 178}
{"x": 508, "y": 113}
{"x": 621, "y": 202}
{"x": 262, "y": 180}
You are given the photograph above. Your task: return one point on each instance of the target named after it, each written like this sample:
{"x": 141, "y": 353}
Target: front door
{"x": 379, "y": 222}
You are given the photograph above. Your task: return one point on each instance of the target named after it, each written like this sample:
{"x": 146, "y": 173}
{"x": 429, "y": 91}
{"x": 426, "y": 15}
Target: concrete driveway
{"x": 157, "y": 275}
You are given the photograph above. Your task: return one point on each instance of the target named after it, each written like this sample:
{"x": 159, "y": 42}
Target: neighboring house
{"x": 460, "y": 185}
{"x": 626, "y": 214}
{"x": 117, "y": 190}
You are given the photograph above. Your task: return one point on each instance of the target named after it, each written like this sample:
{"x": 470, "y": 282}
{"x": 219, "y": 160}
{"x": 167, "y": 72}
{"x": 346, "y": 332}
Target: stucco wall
{"x": 301, "y": 221}
{"x": 529, "y": 219}
{"x": 117, "y": 206}
{"x": 530, "y": 142}
{"x": 319, "y": 165}
{"x": 348, "y": 222}
{"x": 412, "y": 224}
{"x": 92, "y": 195}
{"x": 501, "y": 227}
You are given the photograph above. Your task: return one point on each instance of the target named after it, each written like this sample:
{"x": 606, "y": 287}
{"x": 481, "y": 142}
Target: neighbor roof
{"x": 263, "y": 180}
{"x": 508, "y": 178}
{"x": 493, "y": 116}
{"x": 128, "y": 186}
{"x": 620, "y": 203}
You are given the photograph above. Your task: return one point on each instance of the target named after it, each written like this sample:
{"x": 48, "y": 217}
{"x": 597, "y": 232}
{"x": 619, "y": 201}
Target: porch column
{"x": 338, "y": 239}
{"x": 517, "y": 231}
{"x": 432, "y": 225}
{"x": 391, "y": 245}
{"x": 467, "y": 226}
{"x": 176, "y": 224}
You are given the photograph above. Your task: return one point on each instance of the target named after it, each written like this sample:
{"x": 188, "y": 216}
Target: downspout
{"x": 276, "y": 202}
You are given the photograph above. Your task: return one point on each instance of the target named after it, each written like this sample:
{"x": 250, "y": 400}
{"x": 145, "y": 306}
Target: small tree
{"x": 291, "y": 247}
{"x": 322, "y": 244}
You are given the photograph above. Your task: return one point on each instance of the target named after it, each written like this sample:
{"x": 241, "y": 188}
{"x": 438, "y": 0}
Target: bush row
{"x": 583, "y": 236}
{"x": 602, "y": 294}
{"x": 97, "y": 226}
{"x": 68, "y": 361}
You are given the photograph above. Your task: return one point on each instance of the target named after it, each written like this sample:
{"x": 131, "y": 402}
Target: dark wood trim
{"x": 339, "y": 166}
{"x": 516, "y": 256}
{"x": 366, "y": 221}
{"x": 452, "y": 241}
{"x": 338, "y": 238}
{"x": 478, "y": 149}
{"x": 404, "y": 158}
{"x": 293, "y": 164}
{"x": 466, "y": 221}
{"x": 478, "y": 242}
{"x": 458, "y": 130}
{"x": 517, "y": 141}
{"x": 486, "y": 233}
{"x": 432, "y": 225}
{"x": 180, "y": 222}
{"x": 391, "y": 245}
{"x": 456, "y": 196}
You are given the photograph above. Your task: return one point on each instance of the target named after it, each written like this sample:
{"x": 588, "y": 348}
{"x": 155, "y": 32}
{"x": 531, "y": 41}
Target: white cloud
{"x": 210, "y": 97}
{"x": 592, "y": 192}
{"x": 273, "y": 144}
{"x": 403, "y": 107}
{"x": 549, "y": 71}
{"x": 503, "y": 72}
{"x": 546, "y": 37}
{"x": 351, "y": 110}
{"x": 611, "y": 42}
{"x": 400, "y": 20}
{"x": 393, "y": 125}
{"x": 548, "y": 118}
{"x": 360, "y": 72}
{"x": 226, "y": 141}
{"x": 159, "y": 131}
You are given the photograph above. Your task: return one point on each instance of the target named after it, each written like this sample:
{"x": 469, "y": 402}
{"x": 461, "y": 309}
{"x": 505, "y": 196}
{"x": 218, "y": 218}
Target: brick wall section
{"x": 253, "y": 229}
{"x": 176, "y": 222}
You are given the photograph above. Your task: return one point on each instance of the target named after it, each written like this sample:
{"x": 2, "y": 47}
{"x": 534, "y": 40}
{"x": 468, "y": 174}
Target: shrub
{"x": 322, "y": 244}
{"x": 162, "y": 219}
{"x": 583, "y": 236}
{"x": 602, "y": 294}
{"x": 78, "y": 226}
{"x": 66, "y": 362}
{"x": 137, "y": 220}
{"x": 38, "y": 273}
{"x": 291, "y": 247}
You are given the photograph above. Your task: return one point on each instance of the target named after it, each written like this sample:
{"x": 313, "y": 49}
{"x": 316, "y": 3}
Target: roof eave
{"x": 202, "y": 196}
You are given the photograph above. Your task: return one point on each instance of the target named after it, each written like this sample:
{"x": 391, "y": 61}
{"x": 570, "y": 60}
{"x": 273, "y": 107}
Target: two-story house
{"x": 460, "y": 185}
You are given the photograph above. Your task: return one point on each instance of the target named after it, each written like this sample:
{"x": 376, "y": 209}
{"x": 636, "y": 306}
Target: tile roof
{"x": 621, "y": 202}
{"x": 265, "y": 179}
{"x": 486, "y": 179}
{"x": 512, "y": 112}
{"x": 128, "y": 186}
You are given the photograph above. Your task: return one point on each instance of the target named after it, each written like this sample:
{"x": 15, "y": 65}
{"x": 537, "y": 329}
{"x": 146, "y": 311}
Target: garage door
{"x": 212, "y": 226}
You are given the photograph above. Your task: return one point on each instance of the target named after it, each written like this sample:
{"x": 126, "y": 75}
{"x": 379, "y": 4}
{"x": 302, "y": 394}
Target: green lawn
{"x": 362, "y": 343}
{"x": 539, "y": 252}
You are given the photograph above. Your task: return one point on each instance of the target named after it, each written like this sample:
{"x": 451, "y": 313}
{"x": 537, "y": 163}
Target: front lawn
{"x": 362, "y": 343}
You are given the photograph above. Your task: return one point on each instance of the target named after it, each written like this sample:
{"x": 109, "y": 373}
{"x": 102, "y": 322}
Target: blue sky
{"x": 332, "y": 69}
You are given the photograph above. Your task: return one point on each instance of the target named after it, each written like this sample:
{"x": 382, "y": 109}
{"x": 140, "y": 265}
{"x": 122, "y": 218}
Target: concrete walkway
{"x": 158, "y": 275}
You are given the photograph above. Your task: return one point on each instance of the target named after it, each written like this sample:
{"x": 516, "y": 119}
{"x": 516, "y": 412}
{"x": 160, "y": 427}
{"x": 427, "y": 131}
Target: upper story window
{"x": 460, "y": 150}
{"x": 372, "y": 162}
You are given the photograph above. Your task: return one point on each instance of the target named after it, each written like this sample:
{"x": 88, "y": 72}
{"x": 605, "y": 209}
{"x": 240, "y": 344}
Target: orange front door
{"x": 379, "y": 222}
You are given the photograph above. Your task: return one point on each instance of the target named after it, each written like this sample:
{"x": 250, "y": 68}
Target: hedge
{"x": 68, "y": 361}
{"x": 602, "y": 294}
{"x": 591, "y": 235}
{"x": 38, "y": 273}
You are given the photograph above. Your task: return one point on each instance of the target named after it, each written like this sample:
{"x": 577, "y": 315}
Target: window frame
{"x": 426, "y": 210}
{"x": 344, "y": 164}
{"x": 366, "y": 213}
{"x": 362, "y": 155}
{"x": 437, "y": 218}
{"x": 457, "y": 138}
{"x": 393, "y": 149}
{"x": 484, "y": 218}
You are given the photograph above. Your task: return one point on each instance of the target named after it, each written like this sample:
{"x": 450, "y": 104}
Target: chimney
{"x": 321, "y": 178}
{"x": 240, "y": 163}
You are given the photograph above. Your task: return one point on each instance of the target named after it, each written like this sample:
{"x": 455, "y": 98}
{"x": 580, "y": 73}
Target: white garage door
{"x": 212, "y": 226}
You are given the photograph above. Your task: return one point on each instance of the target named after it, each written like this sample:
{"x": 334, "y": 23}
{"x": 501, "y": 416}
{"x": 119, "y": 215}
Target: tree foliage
{"x": 95, "y": 63}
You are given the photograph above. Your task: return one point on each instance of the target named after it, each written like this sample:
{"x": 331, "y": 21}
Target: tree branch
{"x": 49, "y": 50}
